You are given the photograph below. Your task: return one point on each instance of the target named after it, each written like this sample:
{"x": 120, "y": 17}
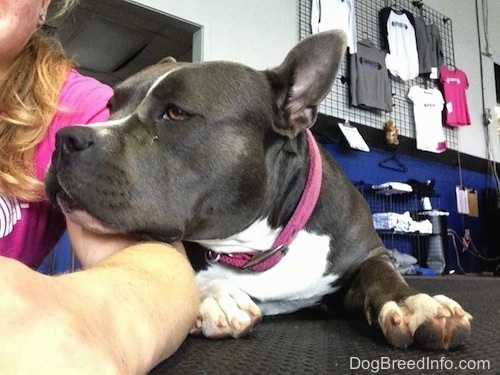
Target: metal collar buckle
{"x": 212, "y": 256}
{"x": 262, "y": 256}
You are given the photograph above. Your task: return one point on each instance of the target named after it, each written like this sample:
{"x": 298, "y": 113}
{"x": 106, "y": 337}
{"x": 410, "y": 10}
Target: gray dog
{"x": 220, "y": 155}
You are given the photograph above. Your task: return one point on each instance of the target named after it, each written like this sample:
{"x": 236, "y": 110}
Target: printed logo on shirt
{"x": 10, "y": 214}
{"x": 429, "y": 105}
{"x": 441, "y": 146}
{"x": 453, "y": 80}
{"x": 369, "y": 63}
{"x": 401, "y": 25}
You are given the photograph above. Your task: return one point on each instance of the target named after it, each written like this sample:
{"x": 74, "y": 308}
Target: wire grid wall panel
{"x": 337, "y": 103}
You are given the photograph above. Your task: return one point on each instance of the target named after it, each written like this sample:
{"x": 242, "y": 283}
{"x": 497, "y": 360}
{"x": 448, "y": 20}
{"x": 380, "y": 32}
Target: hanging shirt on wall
{"x": 370, "y": 85}
{"x": 398, "y": 38}
{"x": 427, "y": 110}
{"x": 335, "y": 14}
{"x": 455, "y": 84}
{"x": 429, "y": 48}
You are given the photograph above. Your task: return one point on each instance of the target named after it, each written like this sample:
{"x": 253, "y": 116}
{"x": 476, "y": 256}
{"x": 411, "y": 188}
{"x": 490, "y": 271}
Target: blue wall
{"x": 364, "y": 166}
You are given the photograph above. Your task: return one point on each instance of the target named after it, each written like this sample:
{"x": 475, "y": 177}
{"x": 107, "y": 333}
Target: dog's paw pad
{"x": 447, "y": 329}
{"x": 433, "y": 323}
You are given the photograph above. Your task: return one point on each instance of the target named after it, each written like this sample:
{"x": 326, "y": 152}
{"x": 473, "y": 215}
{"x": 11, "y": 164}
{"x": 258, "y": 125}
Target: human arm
{"x": 124, "y": 315}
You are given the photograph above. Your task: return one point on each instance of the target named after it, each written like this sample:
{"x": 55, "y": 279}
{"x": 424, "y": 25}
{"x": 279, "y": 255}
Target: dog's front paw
{"x": 225, "y": 311}
{"x": 430, "y": 322}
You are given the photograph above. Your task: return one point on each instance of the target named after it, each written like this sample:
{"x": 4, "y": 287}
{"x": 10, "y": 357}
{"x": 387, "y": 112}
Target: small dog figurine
{"x": 391, "y": 134}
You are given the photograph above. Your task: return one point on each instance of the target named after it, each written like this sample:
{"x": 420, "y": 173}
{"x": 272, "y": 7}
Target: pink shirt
{"x": 455, "y": 84}
{"x": 29, "y": 230}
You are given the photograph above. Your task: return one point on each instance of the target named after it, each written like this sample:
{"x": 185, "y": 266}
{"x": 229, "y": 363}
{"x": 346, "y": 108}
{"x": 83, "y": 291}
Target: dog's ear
{"x": 168, "y": 59}
{"x": 304, "y": 79}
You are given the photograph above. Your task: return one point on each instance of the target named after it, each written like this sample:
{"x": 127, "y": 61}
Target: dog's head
{"x": 185, "y": 152}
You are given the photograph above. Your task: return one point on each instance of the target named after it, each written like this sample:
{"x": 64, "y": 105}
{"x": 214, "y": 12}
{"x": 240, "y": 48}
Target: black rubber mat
{"x": 314, "y": 342}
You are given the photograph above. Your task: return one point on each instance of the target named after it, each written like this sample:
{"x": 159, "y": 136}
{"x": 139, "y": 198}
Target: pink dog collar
{"x": 259, "y": 261}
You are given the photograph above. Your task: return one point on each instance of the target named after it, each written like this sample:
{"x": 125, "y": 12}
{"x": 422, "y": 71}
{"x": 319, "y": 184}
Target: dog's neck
{"x": 259, "y": 260}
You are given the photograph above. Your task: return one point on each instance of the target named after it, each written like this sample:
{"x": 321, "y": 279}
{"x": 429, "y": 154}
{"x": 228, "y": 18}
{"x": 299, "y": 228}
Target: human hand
{"x": 92, "y": 247}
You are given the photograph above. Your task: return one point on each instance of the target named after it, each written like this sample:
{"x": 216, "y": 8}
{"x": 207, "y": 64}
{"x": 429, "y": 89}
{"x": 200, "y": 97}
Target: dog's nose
{"x": 74, "y": 139}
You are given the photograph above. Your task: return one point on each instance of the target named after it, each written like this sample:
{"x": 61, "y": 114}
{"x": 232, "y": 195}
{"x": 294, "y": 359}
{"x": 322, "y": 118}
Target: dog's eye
{"x": 174, "y": 113}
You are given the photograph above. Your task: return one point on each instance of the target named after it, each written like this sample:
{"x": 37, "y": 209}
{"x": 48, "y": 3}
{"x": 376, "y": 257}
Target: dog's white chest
{"x": 298, "y": 280}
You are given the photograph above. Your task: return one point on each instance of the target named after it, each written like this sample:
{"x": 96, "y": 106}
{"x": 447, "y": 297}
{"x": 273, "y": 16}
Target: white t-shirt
{"x": 333, "y": 15}
{"x": 402, "y": 61}
{"x": 427, "y": 108}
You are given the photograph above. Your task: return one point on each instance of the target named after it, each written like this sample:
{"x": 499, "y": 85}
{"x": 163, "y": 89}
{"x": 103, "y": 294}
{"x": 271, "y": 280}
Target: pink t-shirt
{"x": 455, "y": 84}
{"x": 29, "y": 230}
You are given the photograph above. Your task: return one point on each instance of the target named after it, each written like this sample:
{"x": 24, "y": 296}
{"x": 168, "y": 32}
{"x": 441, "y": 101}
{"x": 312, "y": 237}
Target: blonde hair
{"x": 60, "y": 7}
{"x": 28, "y": 102}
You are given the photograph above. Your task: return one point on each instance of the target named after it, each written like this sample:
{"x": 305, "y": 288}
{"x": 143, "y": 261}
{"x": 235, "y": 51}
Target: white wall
{"x": 260, "y": 33}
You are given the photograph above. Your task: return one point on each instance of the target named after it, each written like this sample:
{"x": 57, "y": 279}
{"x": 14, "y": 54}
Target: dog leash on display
{"x": 262, "y": 261}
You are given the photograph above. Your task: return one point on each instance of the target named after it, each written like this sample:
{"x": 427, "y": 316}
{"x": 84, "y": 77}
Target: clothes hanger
{"x": 421, "y": 82}
{"x": 424, "y": 16}
{"x": 450, "y": 64}
{"x": 366, "y": 39}
{"x": 394, "y": 164}
{"x": 418, "y": 4}
{"x": 397, "y": 7}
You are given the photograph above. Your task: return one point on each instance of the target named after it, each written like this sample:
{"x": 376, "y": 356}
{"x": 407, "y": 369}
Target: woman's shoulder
{"x": 78, "y": 86}
{"x": 83, "y": 98}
